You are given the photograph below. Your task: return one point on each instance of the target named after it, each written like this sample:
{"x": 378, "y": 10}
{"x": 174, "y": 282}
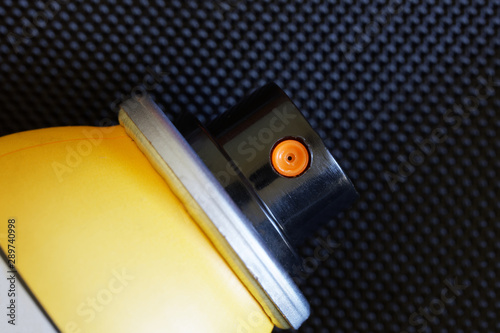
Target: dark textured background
{"x": 374, "y": 78}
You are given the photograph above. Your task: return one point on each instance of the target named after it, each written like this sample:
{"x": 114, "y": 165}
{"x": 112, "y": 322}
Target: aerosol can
{"x": 154, "y": 226}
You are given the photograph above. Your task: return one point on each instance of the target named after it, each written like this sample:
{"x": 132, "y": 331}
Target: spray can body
{"x": 105, "y": 246}
{"x": 150, "y": 226}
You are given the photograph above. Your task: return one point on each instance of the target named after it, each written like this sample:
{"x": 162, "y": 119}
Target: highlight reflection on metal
{"x": 238, "y": 148}
{"x": 204, "y": 197}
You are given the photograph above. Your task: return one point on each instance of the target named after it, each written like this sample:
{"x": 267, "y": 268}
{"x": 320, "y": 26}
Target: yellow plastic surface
{"x": 104, "y": 244}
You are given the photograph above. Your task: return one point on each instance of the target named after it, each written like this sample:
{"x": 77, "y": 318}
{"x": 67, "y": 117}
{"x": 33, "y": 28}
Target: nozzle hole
{"x": 290, "y": 158}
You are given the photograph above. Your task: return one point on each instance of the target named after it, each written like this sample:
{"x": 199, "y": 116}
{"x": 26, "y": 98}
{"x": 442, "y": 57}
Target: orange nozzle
{"x": 290, "y": 158}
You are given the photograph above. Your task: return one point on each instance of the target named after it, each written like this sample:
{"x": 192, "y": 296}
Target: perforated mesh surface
{"x": 375, "y": 79}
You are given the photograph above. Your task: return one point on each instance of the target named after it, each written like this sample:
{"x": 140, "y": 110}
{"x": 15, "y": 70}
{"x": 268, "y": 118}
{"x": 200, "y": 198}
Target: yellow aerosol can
{"x": 151, "y": 226}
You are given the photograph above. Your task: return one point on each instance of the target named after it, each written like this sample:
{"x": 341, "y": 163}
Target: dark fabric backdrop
{"x": 406, "y": 95}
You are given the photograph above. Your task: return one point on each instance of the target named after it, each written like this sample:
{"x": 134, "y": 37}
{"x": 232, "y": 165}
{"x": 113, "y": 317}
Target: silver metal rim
{"x": 219, "y": 217}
